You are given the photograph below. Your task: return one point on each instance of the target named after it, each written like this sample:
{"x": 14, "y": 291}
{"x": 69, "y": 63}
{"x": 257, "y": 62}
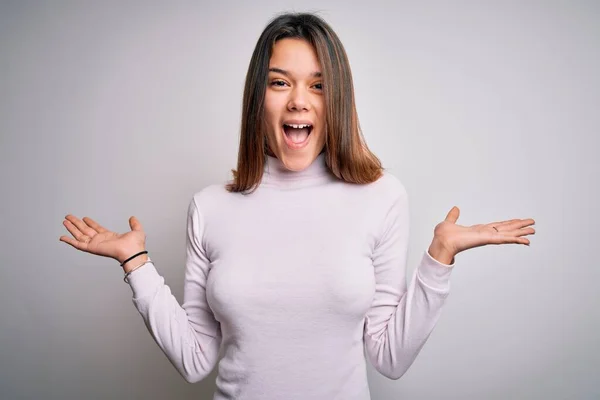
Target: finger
{"x": 94, "y": 225}
{"x": 514, "y": 236}
{"x": 74, "y": 243}
{"x": 520, "y": 232}
{"x": 502, "y": 223}
{"x": 518, "y": 240}
{"x": 501, "y": 239}
{"x": 135, "y": 224}
{"x": 453, "y": 215}
{"x": 82, "y": 239}
{"x": 81, "y": 226}
{"x": 72, "y": 229}
{"x": 518, "y": 224}
{"x": 512, "y": 224}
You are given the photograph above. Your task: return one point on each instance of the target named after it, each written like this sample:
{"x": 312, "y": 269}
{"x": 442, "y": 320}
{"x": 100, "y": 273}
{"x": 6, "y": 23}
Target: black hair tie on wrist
{"x": 134, "y": 256}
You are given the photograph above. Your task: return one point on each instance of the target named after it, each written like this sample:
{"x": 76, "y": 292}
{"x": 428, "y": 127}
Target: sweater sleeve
{"x": 189, "y": 335}
{"x": 400, "y": 319}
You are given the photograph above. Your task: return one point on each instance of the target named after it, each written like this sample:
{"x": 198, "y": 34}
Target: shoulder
{"x": 388, "y": 188}
{"x": 211, "y": 197}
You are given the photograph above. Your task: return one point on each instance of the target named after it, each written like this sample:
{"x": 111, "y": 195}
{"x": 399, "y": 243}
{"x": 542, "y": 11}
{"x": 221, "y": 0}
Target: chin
{"x": 297, "y": 162}
{"x": 297, "y": 159}
{"x": 297, "y": 156}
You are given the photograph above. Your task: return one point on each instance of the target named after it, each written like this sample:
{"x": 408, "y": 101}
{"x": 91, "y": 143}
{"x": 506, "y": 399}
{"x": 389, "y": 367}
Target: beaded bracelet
{"x": 134, "y": 268}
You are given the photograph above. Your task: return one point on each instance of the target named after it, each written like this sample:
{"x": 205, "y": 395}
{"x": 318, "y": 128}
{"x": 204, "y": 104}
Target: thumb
{"x": 135, "y": 224}
{"x": 453, "y": 215}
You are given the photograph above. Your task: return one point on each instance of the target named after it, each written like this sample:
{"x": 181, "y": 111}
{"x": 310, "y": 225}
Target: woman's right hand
{"x": 91, "y": 237}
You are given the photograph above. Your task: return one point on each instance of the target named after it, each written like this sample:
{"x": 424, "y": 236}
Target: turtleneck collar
{"x": 276, "y": 174}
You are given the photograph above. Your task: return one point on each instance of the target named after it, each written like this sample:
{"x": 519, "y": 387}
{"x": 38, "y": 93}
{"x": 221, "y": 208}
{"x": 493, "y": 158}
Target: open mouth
{"x": 297, "y": 133}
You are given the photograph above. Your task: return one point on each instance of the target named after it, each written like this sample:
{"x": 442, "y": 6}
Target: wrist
{"x": 130, "y": 265}
{"x": 135, "y": 261}
{"x": 438, "y": 251}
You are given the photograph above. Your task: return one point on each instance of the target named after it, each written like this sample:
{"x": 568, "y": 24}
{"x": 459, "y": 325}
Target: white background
{"x": 115, "y": 109}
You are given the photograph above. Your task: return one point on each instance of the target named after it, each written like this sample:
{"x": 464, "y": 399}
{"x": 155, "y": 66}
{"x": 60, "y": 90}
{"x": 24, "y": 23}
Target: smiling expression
{"x": 294, "y": 102}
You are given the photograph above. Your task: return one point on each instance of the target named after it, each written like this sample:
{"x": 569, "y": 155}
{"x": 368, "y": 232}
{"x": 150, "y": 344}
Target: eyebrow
{"x": 284, "y": 72}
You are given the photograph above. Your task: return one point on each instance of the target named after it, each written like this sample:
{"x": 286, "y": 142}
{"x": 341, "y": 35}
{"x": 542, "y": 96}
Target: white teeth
{"x": 298, "y": 126}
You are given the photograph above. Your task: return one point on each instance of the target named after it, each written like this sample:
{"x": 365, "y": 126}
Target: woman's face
{"x": 295, "y": 104}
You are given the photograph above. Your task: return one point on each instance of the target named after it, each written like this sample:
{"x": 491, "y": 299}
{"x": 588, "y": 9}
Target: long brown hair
{"x": 347, "y": 154}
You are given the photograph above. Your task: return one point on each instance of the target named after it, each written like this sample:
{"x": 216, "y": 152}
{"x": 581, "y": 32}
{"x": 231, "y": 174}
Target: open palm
{"x": 457, "y": 238}
{"x": 91, "y": 237}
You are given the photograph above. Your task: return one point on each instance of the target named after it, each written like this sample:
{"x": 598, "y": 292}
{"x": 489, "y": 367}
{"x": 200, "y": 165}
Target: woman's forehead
{"x": 294, "y": 56}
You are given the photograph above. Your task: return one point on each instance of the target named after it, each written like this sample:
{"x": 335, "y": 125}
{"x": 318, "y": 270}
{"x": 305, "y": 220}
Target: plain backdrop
{"x": 111, "y": 109}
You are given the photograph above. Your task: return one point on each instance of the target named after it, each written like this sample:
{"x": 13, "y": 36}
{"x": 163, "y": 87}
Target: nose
{"x": 298, "y": 100}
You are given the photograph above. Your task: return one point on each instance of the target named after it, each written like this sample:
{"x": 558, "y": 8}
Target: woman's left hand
{"x": 450, "y": 238}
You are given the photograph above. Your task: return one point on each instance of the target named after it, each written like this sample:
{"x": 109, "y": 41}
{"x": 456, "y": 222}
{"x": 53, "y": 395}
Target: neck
{"x": 277, "y": 175}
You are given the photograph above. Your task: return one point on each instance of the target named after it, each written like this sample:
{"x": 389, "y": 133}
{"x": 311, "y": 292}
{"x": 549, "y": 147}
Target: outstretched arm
{"x": 189, "y": 335}
{"x": 401, "y": 318}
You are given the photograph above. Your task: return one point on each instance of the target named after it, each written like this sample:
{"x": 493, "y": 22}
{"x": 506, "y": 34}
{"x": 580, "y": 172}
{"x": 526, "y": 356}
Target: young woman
{"x": 296, "y": 267}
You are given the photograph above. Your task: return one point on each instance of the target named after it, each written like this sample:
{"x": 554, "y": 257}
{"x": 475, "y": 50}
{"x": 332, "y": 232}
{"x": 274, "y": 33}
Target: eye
{"x": 319, "y": 86}
{"x": 278, "y": 82}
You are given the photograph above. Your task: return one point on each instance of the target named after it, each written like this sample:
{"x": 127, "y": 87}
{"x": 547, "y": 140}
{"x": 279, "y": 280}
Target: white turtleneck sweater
{"x": 297, "y": 283}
